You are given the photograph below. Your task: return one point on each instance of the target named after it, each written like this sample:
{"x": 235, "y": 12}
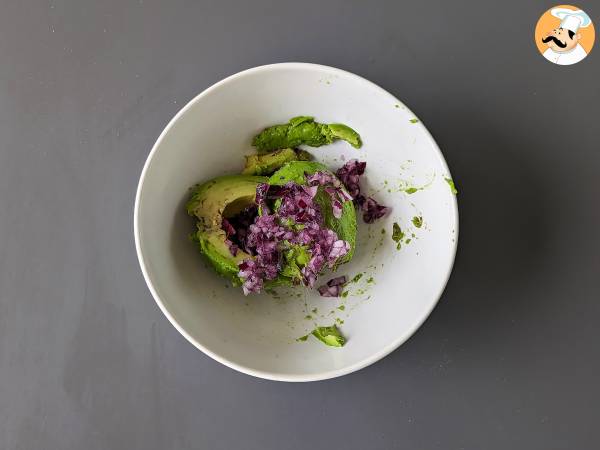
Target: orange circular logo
{"x": 564, "y": 35}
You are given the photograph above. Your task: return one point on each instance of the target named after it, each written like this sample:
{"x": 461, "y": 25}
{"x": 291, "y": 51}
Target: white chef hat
{"x": 571, "y": 19}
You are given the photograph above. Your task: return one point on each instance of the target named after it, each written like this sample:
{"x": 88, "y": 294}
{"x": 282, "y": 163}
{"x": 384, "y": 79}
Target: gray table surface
{"x": 508, "y": 359}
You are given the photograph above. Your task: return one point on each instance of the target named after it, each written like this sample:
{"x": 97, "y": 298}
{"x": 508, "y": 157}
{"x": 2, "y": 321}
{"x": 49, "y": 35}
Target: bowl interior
{"x": 258, "y": 334}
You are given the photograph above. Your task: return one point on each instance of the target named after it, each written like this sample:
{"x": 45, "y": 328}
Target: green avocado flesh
{"x": 266, "y": 164}
{"x": 221, "y": 197}
{"x": 329, "y": 336}
{"x": 303, "y": 130}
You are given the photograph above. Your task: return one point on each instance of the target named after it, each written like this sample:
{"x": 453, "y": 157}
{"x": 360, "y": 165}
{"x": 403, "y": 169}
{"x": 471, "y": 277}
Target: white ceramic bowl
{"x": 257, "y": 334}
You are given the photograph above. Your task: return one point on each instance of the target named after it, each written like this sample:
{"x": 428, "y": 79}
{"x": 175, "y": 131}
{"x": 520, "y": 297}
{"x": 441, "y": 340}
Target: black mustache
{"x": 556, "y": 41}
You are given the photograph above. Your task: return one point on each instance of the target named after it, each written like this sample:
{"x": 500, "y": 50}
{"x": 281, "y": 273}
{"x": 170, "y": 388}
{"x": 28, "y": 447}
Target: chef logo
{"x": 564, "y": 35}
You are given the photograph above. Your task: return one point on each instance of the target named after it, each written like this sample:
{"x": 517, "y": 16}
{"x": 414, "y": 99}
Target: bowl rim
{"x": 277, "y": 376}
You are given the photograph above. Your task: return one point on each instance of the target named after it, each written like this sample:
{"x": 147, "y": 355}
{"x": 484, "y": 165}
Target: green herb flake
{"x": 452, "y": 186}
{"x": 308, "y": 317}
{"x": 417, "y": 221}
{"x": 397, "y": 233}
{"x": 329, "y": 336}
{"x": 414, "y": 120}
{"x": 411, "y": 190}
{"x": 341, "y": 307}
{"x": 302, "y": 338}
{"x": 357, "y": 277}
{"x": 344, "y": 294}
{"x": 370, "y": 280}
{"x": 296, "y": 257}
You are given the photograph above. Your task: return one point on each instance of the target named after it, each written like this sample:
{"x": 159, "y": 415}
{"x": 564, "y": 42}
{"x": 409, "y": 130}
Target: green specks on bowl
{"x": 417, "y": 221}
{"x": 452, "y": 185}
{"x": 357, "y": 277}
{"x": 272, "y": 292}
{"x": 401, "y": 237}
{"x": 414, "y": 120}
{"x": 378, "y": 244}
{"x": 397, "y": 235}
{"x": 408, "y": 187}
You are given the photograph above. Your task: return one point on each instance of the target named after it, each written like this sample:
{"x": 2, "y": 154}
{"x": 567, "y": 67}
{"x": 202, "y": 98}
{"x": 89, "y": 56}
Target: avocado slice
{"x": 345, "y": 133}
{"x": 345, "y": 226}
{"x": 220, "y": 197}
{"x": 266, "y": 164}
{"x": 303, "y": 130}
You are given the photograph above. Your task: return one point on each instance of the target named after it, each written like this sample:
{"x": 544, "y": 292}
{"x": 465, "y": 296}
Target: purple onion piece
{"x": 261, "y": 193}
{"x": 333, "y": 288}
{"x": 337, "y": 281}
{"x": 349, "y": 174}
{"x": 330, "y": 291}
{"x": 373, "y": 210}
{"x": 227, "y": 227}
{"x": 338, "y": 249}
{"x": 233, "y": 248}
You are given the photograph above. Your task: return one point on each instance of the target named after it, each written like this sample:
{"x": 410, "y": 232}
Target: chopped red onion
{"x": 227, "y": 227}
{"x": 350, "y": 174}
{"x": 332, "y": 186}
{"x": 270, "y": 233}
{"x": 373, "y": 210}
{"x": 333, "y": 288}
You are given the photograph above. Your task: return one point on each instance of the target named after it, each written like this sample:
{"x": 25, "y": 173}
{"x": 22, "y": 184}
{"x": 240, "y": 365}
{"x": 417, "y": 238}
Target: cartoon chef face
{"x": 561, "y": 40}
